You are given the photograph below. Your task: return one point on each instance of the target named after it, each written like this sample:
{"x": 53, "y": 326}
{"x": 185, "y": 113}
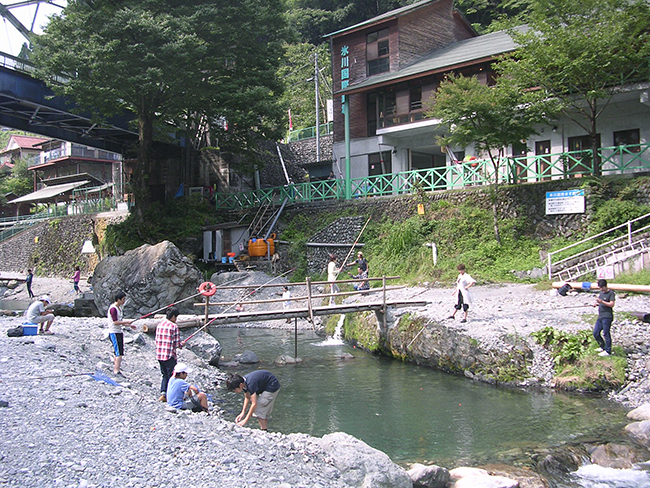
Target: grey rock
{"x": 361, "y": 465}
{"x": 247, "y": 357}
{"x": 139, "y": 339}
{"x": 152, "y": 276}
{"x": 640, "y": 432}
{"x": 640, "y": 413}
{"x": 428, "y": 476}
{"x": 615, "y": 456}
{"x": 485, "y": 481}
{"x": 206, "y": 347}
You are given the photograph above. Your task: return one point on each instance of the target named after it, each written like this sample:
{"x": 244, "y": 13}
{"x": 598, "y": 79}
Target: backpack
{"x": 15, "y": 331}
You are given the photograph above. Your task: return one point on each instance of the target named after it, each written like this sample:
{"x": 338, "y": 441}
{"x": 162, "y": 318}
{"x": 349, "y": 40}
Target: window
{"x": 380, "y": 163}
{"x": 377, "y": 52}
{"x": 628, "y": 138}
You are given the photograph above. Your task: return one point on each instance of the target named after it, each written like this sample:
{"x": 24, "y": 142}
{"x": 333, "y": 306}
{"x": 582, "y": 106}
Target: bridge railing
{"x": 510, "y": 170}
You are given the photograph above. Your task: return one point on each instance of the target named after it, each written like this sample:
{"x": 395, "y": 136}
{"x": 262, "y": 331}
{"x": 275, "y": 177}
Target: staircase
{"x": 611, "y": 252}
{"x": 261, "y": 218}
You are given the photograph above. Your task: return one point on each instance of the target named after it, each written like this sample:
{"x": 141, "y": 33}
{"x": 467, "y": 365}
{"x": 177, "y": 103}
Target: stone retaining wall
{"x": 53, "y": 248}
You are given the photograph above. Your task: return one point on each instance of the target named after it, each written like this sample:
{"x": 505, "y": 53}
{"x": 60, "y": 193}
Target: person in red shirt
{"x": 168, "y": 339}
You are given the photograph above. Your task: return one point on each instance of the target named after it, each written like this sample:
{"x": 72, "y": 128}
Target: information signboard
{"x": 565, "y": 202}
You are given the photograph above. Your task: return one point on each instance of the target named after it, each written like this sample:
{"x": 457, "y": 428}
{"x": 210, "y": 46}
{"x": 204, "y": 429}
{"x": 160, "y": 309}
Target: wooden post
{"x": 383, "y": 284}
{"x": 295, "y": 338}
{"x": 207, "y": 305}
{"x": 311, "y": 312}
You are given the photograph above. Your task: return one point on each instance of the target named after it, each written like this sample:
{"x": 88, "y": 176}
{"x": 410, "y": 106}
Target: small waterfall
{"x": 337, "y": 338}
{"x": 594, "y": 476}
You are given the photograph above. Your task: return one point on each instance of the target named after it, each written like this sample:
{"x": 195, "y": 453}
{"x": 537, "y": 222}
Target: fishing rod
{"x": 353, "y": 244}
{"x": 209, "y": 289}
{"x": 416, "y": 336}
{"x": 62, "y": 375}
{"x": 235, "y": 304}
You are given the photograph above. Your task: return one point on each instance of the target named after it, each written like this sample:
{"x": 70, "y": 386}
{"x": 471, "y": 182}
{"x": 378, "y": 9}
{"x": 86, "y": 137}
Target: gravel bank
{"x": 64, "y": 428}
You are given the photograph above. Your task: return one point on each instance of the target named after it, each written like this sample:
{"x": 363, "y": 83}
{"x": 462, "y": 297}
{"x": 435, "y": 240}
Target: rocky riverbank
{"x": 64, "y": 428}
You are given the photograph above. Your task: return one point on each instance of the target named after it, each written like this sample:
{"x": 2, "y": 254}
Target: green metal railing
{"x": 310, "y": 132}
{"x": 511, "y": 170}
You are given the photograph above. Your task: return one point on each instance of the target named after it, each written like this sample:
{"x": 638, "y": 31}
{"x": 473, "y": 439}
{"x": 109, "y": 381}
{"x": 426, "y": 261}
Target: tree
{"x": 491, "y": 118}
{"x": 298, "y": 74}
{"x": 20, "y": 182}
{"x": 582, "y": 52}
{"x": 169, "y": 61}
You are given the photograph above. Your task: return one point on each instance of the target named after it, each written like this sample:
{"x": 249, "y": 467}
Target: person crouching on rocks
{"x": 37, "y": 314}
{"x": 115, "y": 323}
{"x": 183, "y": 396}
{"x": 260, "y": 389}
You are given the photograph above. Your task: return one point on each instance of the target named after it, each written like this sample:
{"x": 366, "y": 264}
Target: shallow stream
{"x": 417, "y": 414}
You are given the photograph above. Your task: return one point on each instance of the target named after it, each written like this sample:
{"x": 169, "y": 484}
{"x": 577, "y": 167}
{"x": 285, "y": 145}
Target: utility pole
{"x": 317, "y": 107}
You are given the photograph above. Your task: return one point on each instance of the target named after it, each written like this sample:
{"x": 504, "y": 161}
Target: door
{"x": 542, "y": 149}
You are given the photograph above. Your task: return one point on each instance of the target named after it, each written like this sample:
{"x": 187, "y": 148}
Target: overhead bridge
{"x": 28, "y": 104}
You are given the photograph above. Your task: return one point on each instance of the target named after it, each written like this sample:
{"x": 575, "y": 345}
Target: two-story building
{"x": 19, "y": 147}
{"x": 385, "y": 71}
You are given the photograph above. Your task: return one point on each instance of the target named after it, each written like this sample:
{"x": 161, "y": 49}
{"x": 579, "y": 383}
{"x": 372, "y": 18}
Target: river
{"x": 417, "y": 414}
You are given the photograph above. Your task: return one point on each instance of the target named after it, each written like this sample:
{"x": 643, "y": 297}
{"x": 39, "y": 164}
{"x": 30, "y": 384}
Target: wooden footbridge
{"x": 307, "y": 307}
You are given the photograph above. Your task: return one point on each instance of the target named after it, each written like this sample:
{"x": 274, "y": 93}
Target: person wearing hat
{"x": 182, "y": 395}
{"x": 260, "y": 389}
{"x": 37, "y": 314}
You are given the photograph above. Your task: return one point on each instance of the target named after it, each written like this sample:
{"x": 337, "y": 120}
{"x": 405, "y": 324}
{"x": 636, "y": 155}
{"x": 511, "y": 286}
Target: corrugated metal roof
{"x": 462, "y": 52}
{"x": 387, "y": 15}
{"x": 49, "y": 192}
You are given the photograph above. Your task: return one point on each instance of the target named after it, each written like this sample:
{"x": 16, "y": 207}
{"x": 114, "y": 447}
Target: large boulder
{"x": 151, "y": 276}
{"x": 361, "y": 465}
{"x": 206, "y": 347}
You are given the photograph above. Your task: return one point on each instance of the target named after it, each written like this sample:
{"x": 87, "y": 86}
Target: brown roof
{"x": 27, "y": 142}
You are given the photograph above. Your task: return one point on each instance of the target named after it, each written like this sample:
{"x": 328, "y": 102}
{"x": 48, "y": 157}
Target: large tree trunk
{"x": 144, "y": 163}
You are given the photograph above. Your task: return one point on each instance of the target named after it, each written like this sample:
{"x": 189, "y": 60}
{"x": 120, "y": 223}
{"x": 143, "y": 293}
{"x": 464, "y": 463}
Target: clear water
{"x": 412, "y": 413}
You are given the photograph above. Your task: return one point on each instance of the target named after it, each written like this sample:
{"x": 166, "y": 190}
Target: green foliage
{"x": 179, "y": 218}
{"x": 617, "y": 212}
{"x": 361, "y": 329}
{"x": 461, "y": 234}
{"x": 581, "y": 49}
{"x": 298, "y": 73}
{"x": 164, "y": 60}
{"x": 20, "y": 181}
{"x": 566, "y": 348}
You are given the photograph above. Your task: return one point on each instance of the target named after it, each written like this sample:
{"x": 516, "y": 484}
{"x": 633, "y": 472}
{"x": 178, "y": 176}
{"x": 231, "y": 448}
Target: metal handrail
{"x": 629, "y": 235}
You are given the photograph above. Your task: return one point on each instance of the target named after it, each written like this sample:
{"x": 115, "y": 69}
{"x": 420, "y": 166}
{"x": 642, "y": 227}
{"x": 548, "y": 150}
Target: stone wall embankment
{"x": 53, "y": 248}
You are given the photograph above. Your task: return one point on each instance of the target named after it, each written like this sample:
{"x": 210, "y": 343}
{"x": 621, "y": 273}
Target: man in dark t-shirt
{"x": 260, "y": 389}
{"x": 605, "y": 303}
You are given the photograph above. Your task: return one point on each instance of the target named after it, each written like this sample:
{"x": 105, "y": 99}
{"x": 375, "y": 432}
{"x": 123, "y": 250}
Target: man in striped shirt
{"x": 168, "y": 339}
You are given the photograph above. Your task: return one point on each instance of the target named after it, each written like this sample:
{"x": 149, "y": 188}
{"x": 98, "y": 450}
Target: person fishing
{"x": 605, "y": 303}
{"x": 168, "y": 339}
{"x": 360, "y": 262}
{"x": 332, "y": 274}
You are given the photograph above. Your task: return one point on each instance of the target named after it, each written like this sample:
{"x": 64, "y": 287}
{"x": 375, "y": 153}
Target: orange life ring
{"x": 207, "y": 289}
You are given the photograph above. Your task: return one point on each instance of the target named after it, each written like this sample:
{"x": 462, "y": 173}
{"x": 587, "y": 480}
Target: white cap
{"x": 181, "y": 368}
{"x": 45, "y": 298}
